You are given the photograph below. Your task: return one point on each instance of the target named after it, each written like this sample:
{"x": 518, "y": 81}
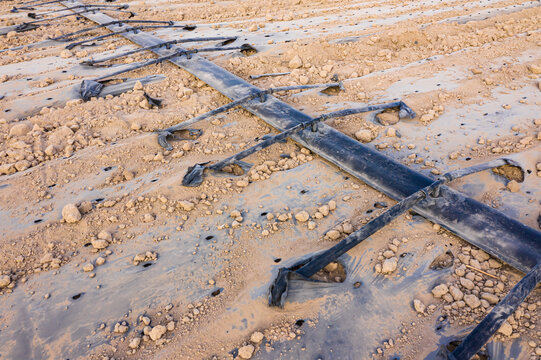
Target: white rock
{"x": 99, "y": 244}
{"x": 157, "y": 332}
{"x": 389, "y": 265}
{"x": 364, "y": 136}
{"x": 5, "y": 280}
{"x": 71, "y": 214}
{"x": 472, "y": 301}
{"x": 440, "y": 290}
{"x": 506, "y": 329}
{"x": 246, "y": 352}
{"x": 295, "y": 63}
{"x": 134, "y": 343}
{"x": 256, "y": 337}
{"x": 19, "y": 130}
{"x": 302, "y": 216}
{"x": 419, "y": 306}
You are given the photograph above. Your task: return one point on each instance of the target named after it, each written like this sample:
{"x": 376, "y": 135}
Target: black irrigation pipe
{"x": 102, "y": 6}
{"x": 32, "y": 24}
{"x": 194, "y": 175}
{"x": 134, "y": 29}
{"x": 167, "y": 44}
{"x": 164, "y": 133}
{"x": 308, "y": 267}
{"x": 253, "y": 77}
{"x": 89, "y": 88}
{"x": 494, "y": 320}
{"x": 16, "y": 9}
{"x": 120, "y": 23}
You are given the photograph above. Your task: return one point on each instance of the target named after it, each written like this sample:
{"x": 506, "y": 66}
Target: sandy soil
{"x": 104, "y": 254}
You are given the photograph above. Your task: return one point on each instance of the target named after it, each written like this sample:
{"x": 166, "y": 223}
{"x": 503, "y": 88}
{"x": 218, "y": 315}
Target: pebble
{"x": 138, "y": 85}
{"x": 105, "y": 235}
{"x": 246, "y": 352}
{"x": 19, "y": 130}
{"x": 440, "y": 290}
{"x": 157, "y": 332}
{"x": 472, "y": 301}
{"x": 170, "y": 326}
{"x": 333, "y": 234}
{"x": 386, "y": 118}
{"x": 134, "y": 343}
{"x": 506, "y": 329}
{"x": 242, "y": 183}
{"x": 187, "y": 205}
{"x": 389, "y": 265}
{"x": 88, "y": 267}
{"x": 66, "y": 54}
{"x": 419, "y": 306}
{"x": 311, "y": 225}
{"x": 121, "y": 327}
{"x": 491, "y": 298}
{"x": 99, "y": 244}
{"x": 256, "y": 337}
{"x": 100, "y": 261}
{"x": 467, "y": 283}
{"x": 302, "y": 216}
{"x": 513, "y": 186}
{"x": 324, "y": 210}
{"x": 71, "y": 214}
{"x": 5, "y": 280}
{"x": 456, "y": 293}
{"x": 295, "y": 63}
{"x": 364, "y": 136}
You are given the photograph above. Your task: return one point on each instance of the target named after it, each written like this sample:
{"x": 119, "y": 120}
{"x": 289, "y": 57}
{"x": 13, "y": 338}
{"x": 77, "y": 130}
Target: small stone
{"x": 170, "y": 326}
{"x": 472, "y": 301}
{"x": 506, "y": 329}
{"x": 440, "y": 290}
{"x": 331, "y": 267}
{"x": 242, "y": 183}
{"x": 302, "y": 216}
{"x": 295, "y": 63}
{"x": 105, "y": 235}
{"x": 491, "y": 298}
{"x": 364, "y": 136}
{"x": 333, "y": 234}
{"x": 138, "y": 85}
{"x": 145, "y": 320}
{"x": 66, "y": 54}
{"x": 157, "y": 332}
{"x": 187, "y": 205}
{"x": 538, "y": 351}
{"x": 88, "y": 267}
{"x": 419, "y": 306}
{"x": 324, "y": 210}
{"x": 311, "y": 225}
{"x": 99, "y": 244}
{"x": 535, "y": 68}
{"x": 134, "y": 343}
{"x": 389, "y": 265}
{"x": 456, "y": 293}
{"x": 256, "y": 337}
{"x": 387, "y": 118}
{"x": 467, "y": 283}
{"x": 513, "y": 186}
{"x": 246, "y": 352}
{"x": 5, "y": 280}
{"x": 121, "y": 328}
{"x": 100, "y": 261}
{"x": 71, "y": 213}
{"x": 19, "y": 130}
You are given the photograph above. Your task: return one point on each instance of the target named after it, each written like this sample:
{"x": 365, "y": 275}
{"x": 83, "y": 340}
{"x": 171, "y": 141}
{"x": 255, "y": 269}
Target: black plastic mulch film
{"x": 307, "y": 267}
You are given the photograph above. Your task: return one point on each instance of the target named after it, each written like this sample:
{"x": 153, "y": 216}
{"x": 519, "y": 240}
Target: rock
{"x": 71, "y": 213}
{"x": 332, "y": 205}
{"x": 419, "y": 306}
{"x": 324, "y": 210}
{"x": 467, "y": 283}
{"x": 331, "y": 267}
{"x": 242, "y": 183}
{"x": 440, "y": 290}
{"x": 302, "y": 216}
{"x": 491, "y": 298}
{"x": 311, "y": 225}
{"x": 389, "y": 265}
{"x": 456, "y": 293}
{"x": 513, "y": 186}
{"x": 538, "y": 351}
{"x": 170, "y": 326}
{"x": 256, "y": 337}
{"x": 347, "y": 227}
{"x": 85, "y": 207}
{"x": 5, "y": 280}
{"x": 472, "y": 301}
{"x": 364, "y": 136}
{"x": 295, "y": 63}
{"x": 22, "y": 165}
{"x": 105, "y": 235}
{"x": 387, "y": 118}
{"x": 138, "y": 85}
{"x": 100, "y": 261}
{"x": 187, "y": 205}
{"x": 66, "y": 54}
{"x": 535, "y": 68}
{"x": 246, "y": 352}
{"x": 51, "y": 150}
{"x": 157, "y": 332}
{"x": 254, "y": 27}
{"x": 19, "y": 130}
{"x": 88, "y": 267}
{"x": 506, "y": 329}
{"x": 333, "y": 234}
{"x": 121, "y": 328}
{"x": 99, "y": 244}
{"x": 134, "y": 343}
{"x": 7, "y": 169}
